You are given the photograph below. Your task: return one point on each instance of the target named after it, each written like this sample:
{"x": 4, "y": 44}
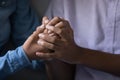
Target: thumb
{"x": 40, "y": 29}
{"x": 35, "y": 34}
{"x": 45, "y": 20}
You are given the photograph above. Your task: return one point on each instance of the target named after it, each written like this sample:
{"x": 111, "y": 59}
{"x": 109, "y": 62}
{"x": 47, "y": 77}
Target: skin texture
{"x": 58, "y": 44}
{"x": 55, "y": 67}
{"x": 36, "y": 45}
{"x": 30, "y": 46}
{"x": 66, "y": 50}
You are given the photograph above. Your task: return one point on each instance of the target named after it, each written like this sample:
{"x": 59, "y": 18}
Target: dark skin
{"x": 66, "y": 50}
{"x": 56, "y": 72}
{"x": 59, "y": 70}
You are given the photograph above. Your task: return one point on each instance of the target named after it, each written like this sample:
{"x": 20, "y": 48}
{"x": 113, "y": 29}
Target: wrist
{"x": 26, "y": 52}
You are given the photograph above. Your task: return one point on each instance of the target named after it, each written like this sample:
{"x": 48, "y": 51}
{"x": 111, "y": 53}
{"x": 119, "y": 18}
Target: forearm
{"x": 100, "y": 60}
{"x": 12, "y": 62}
{"x": 58, "y": 70}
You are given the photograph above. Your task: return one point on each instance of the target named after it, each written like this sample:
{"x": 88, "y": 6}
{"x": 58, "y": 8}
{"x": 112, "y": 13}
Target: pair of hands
{"x": 53, "y": 39}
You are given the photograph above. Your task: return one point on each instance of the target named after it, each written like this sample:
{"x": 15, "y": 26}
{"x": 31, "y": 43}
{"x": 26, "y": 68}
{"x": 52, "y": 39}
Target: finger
{"x": 43, "y": 49}
{"x": 66, "y": 29}
{"x": 40, "y": 29}
{"x": 50, "y": 39}
{"x": 34, "y": 36}
{"x": 52, "y": 34}
{"x": 46, "y": 31}
{"x": 67, "y": 24}
{"x": 45, "y": 20}
{"x": 60, "y": 25}
{"x": 54, "y": 21}
{"x": 49, "y": 32}
{"x": 47, "y": 56}
{"x": 47, "y": 38}
{"x": 54, "y": 29}
{"x": 46, "y": 44}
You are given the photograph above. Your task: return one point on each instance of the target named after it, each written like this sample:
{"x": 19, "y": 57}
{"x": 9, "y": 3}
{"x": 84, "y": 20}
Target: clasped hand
{"x": 52, "y": 40}
{"x": 57, "y": 37}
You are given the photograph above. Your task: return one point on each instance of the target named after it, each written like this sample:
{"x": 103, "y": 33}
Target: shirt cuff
{"x": 18, "y": 59}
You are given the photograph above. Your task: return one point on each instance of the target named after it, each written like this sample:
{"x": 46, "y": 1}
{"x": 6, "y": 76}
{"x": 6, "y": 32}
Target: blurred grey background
{"x": 40, "y": 6}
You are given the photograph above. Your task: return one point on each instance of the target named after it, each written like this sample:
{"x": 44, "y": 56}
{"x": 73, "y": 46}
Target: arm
{"x": 100, "y": 60}
{"x": 13, "y": 61}
{"x": 24, "y": 21}
{"x": 77, "y": 55}
{"x": 58, "y": 70}
{"x": 103, "y": 61}
{"x": 21, "y": 57}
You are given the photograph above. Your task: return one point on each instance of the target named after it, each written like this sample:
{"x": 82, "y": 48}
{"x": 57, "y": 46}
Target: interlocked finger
{"x": 54, "y": 29}
{"x": 45, "y": 56}
{"x": 60, "y": 25}
{"x": 54, "y": 21}
{"x": 46, "y": 44}
{"x": 47, "y": 38}
{"x": 45, "y": 20}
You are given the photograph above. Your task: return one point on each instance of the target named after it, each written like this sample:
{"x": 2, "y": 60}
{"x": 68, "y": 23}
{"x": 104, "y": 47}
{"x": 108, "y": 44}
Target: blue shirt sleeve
{"x": 13, "y": 61}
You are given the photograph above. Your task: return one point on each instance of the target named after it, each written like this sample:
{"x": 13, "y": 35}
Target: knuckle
{"x": 43, "y": 43}
{"x": 57, "y": 18}
{"x": 43, "y": 36}
{"x": 62, "y": 23}
{"x": 50, "y": 27}
{"x": 59, "y": 31}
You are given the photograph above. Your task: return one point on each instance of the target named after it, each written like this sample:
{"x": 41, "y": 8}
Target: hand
{"x": 64, "y": 47}
{"x": 46, "y": 31}
{"x": 47, "y": 22}
{"x": 31, "y": 47}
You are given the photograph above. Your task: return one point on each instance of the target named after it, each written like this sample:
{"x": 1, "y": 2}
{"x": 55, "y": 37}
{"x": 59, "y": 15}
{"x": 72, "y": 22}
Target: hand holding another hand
{"x": 61, "y": 41}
